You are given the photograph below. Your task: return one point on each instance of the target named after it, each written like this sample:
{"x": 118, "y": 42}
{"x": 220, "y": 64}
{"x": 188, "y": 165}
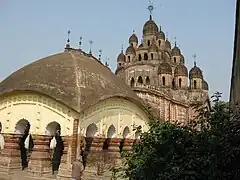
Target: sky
{"x": 31, "y": 30}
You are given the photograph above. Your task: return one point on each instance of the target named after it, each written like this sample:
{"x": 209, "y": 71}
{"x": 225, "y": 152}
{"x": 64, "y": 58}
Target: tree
{"x": 168, "y": 151}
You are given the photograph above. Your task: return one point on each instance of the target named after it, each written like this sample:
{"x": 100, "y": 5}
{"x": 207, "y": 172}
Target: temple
{"x": 70, "y": 104}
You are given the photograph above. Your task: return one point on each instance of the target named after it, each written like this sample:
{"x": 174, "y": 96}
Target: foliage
{"x": 208, "y": 149}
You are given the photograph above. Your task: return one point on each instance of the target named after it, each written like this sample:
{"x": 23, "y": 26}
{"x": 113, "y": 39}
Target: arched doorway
{"x": 140, "y": 80}
{"x": 91, "y": 130}
{"x": 111, "y": 132}
{"x": 147, "y": 80}
{"x": 132, "y": 82}
{"x": 126, "y": 132}
{"x": 20, "y": 126}
{"x": 52, "y": 127}
{"x": 138, "y": 134}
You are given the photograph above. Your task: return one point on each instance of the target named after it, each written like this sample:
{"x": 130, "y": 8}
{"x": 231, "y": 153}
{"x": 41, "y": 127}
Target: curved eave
{"x": 136, "y": 101}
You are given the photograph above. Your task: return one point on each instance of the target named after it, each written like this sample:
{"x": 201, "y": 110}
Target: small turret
{"x": 196, "y": 76}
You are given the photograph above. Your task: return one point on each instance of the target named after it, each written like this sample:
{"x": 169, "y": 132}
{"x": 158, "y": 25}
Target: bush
{"x": 168, "y": 151}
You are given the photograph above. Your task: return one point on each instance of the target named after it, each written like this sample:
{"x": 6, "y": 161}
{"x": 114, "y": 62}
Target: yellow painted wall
{"x": 118, "y": 112}
{"x": 41, "y": 110}
{"x": 38, "y": 109}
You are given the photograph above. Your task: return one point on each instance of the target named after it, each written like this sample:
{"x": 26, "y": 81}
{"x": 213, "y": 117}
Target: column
{"x": 94, "y": 155}
{"x": 65, "y": 168}
{"x": 10, "y": 158}
{"x": 40, "y": 159}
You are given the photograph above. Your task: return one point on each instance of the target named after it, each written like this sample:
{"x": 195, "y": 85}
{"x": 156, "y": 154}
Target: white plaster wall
{"x": 38, "y": 109}
{"x": 118, "y": 112}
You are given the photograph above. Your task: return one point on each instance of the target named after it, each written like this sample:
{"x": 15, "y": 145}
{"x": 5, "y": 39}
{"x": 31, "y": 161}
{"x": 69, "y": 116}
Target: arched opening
{"x": 145, "y": 56}
{"x": 147, "y": 80}
{"x": 138, "y": 134}
{"x": 175, "y": 60}
{"x": 52, "y": 128}
{"x": 132, "y": 44}
{"x": 151, "y": 56}
{"x": 163, "y": 81}
{"x": 132, "y": 82}
{"x": 91, "y": 130}
{"x": 194, "y": 84}
{"x": 139, "y": 57}
{"x": 173, "y": 83}
{"x": 180, "y": 82}
{"x": 140, "y": 80}
{"x": 119, "y": 64}
{"x": 21, "y": 126}
{"x": 126, "y": 132}
{"x": 148, "y": 42}
{"x": 111, "y": 132}
{"x": 129, "y": 58}
{"x": 159, "y": 42}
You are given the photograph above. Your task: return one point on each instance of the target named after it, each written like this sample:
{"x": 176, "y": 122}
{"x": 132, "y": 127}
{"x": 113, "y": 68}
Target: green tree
{"x": 168, "y": 151}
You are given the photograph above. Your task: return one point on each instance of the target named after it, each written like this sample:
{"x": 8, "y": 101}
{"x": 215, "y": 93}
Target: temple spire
{"x": 175, "y": 41}
{"x": 90, "y": 43}
{"x": 68, "y": 40}
{"x": 150, "y": 9}
{"x": 80, "y": 43}
{"x": 100, "y": 55}
{"x": 194, "y": 60}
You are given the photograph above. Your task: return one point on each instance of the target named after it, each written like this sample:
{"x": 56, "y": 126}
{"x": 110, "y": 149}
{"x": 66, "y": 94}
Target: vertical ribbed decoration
{"x": 74, "y": 139}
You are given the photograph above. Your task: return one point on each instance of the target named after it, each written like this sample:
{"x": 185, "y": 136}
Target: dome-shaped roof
{"x": 181, "y": 70}
{"x": 76, "y": 79}
{"x": 182, "y": 59}
{"x": 121, "y": 57}
{"x": 164, "y": 68}
{"x": 176, "y": 51}
{"x": 168, "y": 44}
{"x": 205, "y": 86}
{"x": 195, "y": 72}
{"x": 133, "y": 39}
{"x": 160, "y": 35}
{"x": 140, "y": 46}
{"x": 130, "y": 50}
{"x": 150, "y": 27}
{"x": 153, "y": 47}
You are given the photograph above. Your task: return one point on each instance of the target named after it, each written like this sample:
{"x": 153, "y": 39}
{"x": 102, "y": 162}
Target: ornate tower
{"x": 235, "y": 81}
{"x": 158, "y": 75}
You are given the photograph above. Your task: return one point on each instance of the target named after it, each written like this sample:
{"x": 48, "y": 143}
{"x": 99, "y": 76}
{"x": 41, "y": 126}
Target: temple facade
{"x": 96, "y": 113}
{"x": 155, "y": 70}
{"x": 75, "y": 93}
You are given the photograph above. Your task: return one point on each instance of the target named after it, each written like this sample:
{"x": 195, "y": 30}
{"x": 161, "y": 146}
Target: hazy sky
{"x": 34, "y": 29}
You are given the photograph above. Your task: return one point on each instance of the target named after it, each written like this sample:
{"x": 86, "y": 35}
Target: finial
{"x": 150, "y": 9}
{"x": 80, "y": 42}
{"x": 90, "y": 43}
{"x": 100, "y": 55}
{"x": 68, "y": 40}
{"x": 69, "y": 32}
{"x": 122, "y": 49}
{"x": 133, "y": 31}
{"x": 106, "y": 63}
{"x": 160, "y": 28}
{"x": 175, "y": 41}
{"x": 194, "y": 58}
{"x": 166, "y": 35}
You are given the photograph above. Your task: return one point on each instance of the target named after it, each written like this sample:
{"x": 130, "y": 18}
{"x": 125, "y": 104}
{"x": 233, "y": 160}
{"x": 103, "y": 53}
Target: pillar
{"x": 94, "y": 155}
{"x": 74, "y": 142}
{"x": 65, "y": 168}
{"x": 40, "y": 159}
{"x": 10, "y": 158}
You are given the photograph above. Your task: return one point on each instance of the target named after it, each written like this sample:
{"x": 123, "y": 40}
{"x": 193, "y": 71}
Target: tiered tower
{"x": 156, "y": 71}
